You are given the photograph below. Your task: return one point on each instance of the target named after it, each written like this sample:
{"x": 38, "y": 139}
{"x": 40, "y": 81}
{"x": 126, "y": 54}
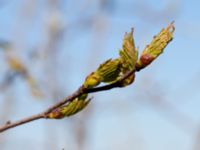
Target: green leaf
{"x": 128, "y": 57}
{"x": 156, "y": 47}
{"x": 70, "y": 109}
{"x": 128, "y": 54}
{"x": 109, "y": 71}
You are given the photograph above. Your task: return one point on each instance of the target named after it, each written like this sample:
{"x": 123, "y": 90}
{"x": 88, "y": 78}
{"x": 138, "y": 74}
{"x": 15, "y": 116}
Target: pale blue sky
{"x": 127, "y": 118}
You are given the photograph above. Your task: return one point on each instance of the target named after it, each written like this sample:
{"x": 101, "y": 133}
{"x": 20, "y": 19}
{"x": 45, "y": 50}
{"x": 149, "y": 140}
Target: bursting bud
{"x": 92, "y": 80}
{"x": 156, "y": 47}
{"x": 128, "y": 80}
{"x": 109, "y": 71}
{"x": 128, "y": 54}
{"x": 70, "y": 109}
{"x": 128, "y": 57}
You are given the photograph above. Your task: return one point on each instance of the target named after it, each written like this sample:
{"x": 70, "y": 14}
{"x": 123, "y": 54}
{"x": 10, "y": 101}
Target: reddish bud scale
{"x": 56, "y": 114}
{"x": 146, "y": 59}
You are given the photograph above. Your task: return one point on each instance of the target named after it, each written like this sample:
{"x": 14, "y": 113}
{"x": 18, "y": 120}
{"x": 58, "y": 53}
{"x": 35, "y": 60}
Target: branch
{"x": 108, "y": 71}
{"x": 76, "y": 94}
{"x": 9, "y": 124}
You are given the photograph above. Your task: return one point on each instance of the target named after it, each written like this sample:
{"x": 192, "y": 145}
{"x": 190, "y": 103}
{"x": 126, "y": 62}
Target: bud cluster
{"x": 113, "y": 69}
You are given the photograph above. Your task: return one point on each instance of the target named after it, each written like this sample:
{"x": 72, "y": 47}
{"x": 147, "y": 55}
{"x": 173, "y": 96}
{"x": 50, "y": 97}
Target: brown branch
{"x": 9, "y": 124}
{"x": 79, "y": 92}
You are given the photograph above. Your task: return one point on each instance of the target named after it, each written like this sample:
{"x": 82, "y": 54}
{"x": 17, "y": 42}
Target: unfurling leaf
{"x": 70, "y": 109}
{"x": 128, "y": 57}
{"x": 128, "y": 54}
{"x": 156, "y": 47}
{"x": 109, "y": 71}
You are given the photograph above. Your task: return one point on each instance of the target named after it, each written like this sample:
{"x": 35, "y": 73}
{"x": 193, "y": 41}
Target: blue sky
{"x": 128, "y": 118}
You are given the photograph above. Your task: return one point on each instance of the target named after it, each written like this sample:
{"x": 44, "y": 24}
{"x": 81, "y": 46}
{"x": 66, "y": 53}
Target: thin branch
{"x": 9, "y": 124}
{"x": 77, "y": 93}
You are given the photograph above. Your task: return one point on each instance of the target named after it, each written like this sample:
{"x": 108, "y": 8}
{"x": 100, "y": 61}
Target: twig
{"x": 79, "y": 92}
{"x": 9, "y": 124}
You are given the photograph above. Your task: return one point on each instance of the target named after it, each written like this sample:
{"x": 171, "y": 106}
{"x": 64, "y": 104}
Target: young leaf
{"x": 70, "y": 109}
{"x": 128, "y": 54}
{"x": 109, "y": 71}
{"x": 128, "y": 57}
{"x": 156, "y": 47}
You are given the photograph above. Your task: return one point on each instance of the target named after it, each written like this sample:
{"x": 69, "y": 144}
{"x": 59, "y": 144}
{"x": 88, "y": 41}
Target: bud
{"x": 109, "y": 71}
{"x": 92, "y": 80}
{"x": 128, "y": 57}
{"x": 156, "y": 47}
{"x": 128, "y": 54}
{"x": 70, "y": 109}
{"x": 128, "y": 80}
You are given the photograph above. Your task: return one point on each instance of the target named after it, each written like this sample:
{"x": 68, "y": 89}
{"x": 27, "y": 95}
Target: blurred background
{"x": 48, "y": 47}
